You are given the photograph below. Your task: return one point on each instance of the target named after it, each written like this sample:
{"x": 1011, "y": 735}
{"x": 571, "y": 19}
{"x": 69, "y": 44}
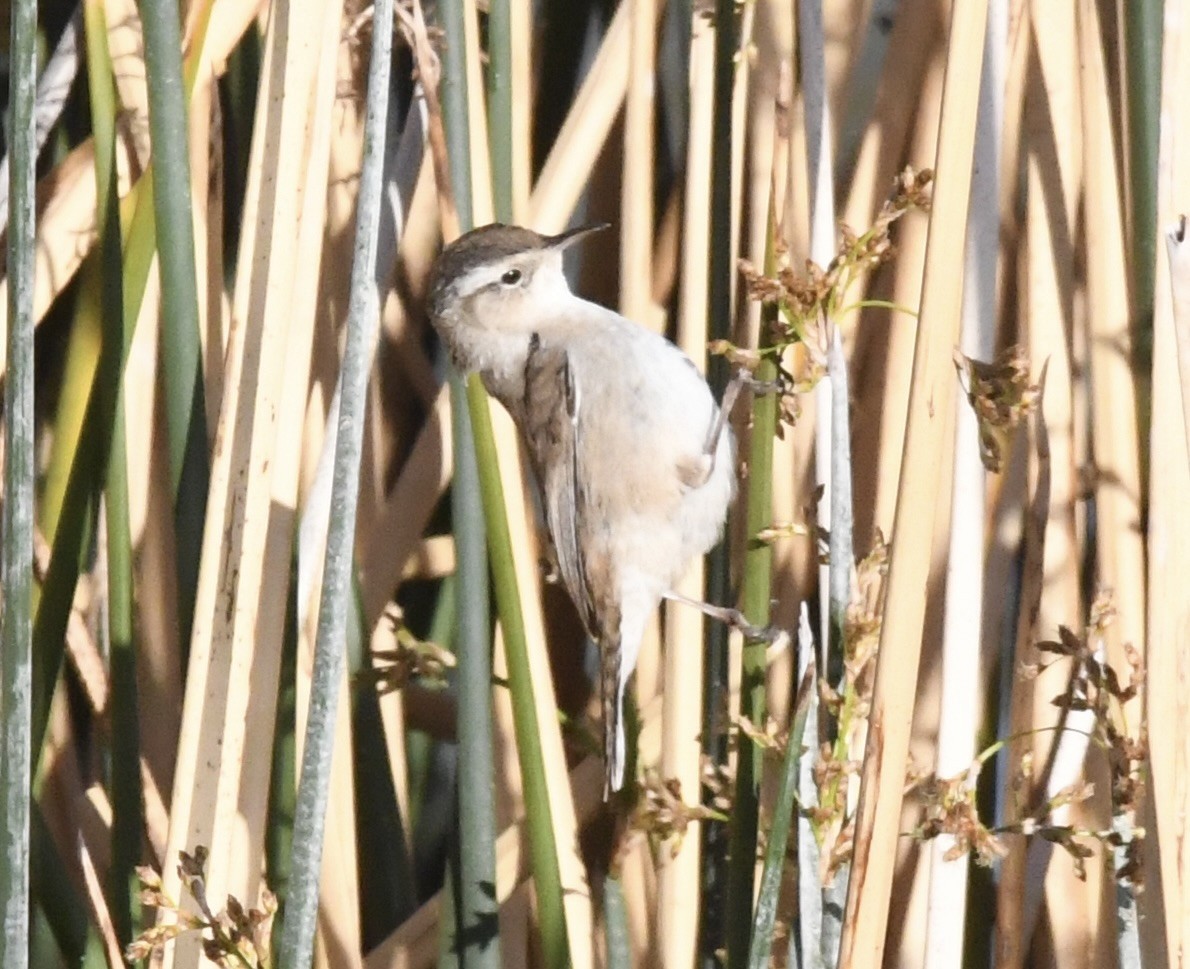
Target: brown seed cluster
{"x": 661, "y": 814}
{"x": 407, "y": 658}
{"x": 1001, "y": 395}
{"x": 232, "y": 937}
{"x": 802, "y": 304}
{"x": 1094, "y": 686}
{"x": 807, "y": 296}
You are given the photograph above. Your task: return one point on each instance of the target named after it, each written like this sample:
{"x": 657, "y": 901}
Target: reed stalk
{"x": 832, "y": 406}
{"x": 755, "y": 603}
{"x": 834, "y": 575}
{"x": 1178, "y": 253}
{"x": 16, "y": 666}
{"x": 959, "y": 713}
{"x": 508, "y": 158}
{"x": 181, "y": 350}
{"x": 1053, "y": 173}
{"x": 500, "y": 107}
{"x": 716, "y": 875}
{"x": 636, "y": 221}
{"x": 1168, "y": 533}
{"x": 126, "y": 794}
{"x": 474, "y": 907}
{"x": 565, "y": 171}
{"x": 472, "y": 397}
{"x": 220, "y": 791}
{"x": 1119, "y": 543}
{"x": 778, "y": 833}
{"x": 96, "y": 358}
{"x": 1142, "y": 64}
{"x": 683, "y": 715}
{"x": 97, "y": 362}
{"x": 1010, "y": 941}
{"x": 615, "y": 917}
{"x": 929, "y": 424}
{"x": 295, "y": 950}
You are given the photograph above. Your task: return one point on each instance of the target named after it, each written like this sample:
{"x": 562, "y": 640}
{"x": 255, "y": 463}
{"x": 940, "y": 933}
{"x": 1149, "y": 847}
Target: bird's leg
{"x": 739, "y": 380}
{"x": 732, "y": 618}
{"x": 730, "y": 394}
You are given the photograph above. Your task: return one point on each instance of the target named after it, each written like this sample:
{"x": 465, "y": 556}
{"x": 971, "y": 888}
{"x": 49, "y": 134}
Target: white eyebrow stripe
{"x": 484, "y": 276}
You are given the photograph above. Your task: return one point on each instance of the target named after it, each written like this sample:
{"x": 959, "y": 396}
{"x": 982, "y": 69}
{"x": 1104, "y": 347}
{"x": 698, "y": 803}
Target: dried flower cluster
{"x": 1094, "y": 686}
{"x": 1001, "y": 396}
{"x": 807, "y": 298}
{"x": 800, "y": 307}
{"x": 802, "y": 304}
{"x": 951, "y": 809}
{"x": 718, "y": 782}
{"x": 839, "y": 761}
{"x": 407, "y": 659}
{"x": 662, "y": 815}
{"x": 233, "y": 938}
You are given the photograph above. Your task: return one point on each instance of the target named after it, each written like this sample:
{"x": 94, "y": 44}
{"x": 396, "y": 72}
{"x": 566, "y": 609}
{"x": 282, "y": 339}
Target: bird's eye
{"x": 511, "y": 278}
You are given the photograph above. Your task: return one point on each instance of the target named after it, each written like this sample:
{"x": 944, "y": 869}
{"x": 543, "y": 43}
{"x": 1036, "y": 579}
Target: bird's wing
{"x": 551, "y": 431}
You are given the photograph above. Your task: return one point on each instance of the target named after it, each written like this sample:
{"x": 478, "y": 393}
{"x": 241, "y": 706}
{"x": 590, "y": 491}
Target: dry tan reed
{"x": 1090, "y": 496}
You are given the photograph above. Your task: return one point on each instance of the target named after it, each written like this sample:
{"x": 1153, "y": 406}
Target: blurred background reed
{"x": 254, "y": 527}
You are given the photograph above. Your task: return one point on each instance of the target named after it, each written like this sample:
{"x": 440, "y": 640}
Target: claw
{"x": 775, "y": 637}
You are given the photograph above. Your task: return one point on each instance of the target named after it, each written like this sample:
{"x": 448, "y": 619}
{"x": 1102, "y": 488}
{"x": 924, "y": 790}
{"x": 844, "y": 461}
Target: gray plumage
{"x": 618, "y": 425}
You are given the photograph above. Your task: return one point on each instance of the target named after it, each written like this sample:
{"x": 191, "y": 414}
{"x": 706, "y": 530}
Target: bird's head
{"x": 501, "y": 278}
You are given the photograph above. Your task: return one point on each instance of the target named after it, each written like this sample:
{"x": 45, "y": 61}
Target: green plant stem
{"x": 82, "y": 362}
{"x": 1142, "y": 39}
{"x": 63, "y": 913}
{"x": 127, "y": 814}
{"x": 500, "y": 106}
{"x": 100, "y": 303}
{"x": 16, "y": 664}
{"x": 127, "y": 820}
{"x": 615, "y": 917}
{"x": 475, "y": 907}
{"x": 296, "y": 947}
{"x": 1143, "y": 42}
{"x": 783, "y": 813}
{"x": 477, "y": 858}
{"x": 181, "y": 347}
{"x": 87, "y": 461}
{"x": 758, "y": 569}
{"x": 720, "y": 271}
{"x": 475, "y": 911}
{"x": 542, "y": 845}
{"x": 282, "y": 785}
{"x": 85, "y": 420}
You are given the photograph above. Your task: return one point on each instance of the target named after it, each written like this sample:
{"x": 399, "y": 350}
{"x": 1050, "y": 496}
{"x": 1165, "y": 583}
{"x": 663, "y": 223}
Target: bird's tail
{"x": 619, "y": 648}
{"x": 612, "y": 694}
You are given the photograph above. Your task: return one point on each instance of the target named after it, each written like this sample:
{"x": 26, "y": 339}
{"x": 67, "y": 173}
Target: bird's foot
{"x": 761, "y": 388}
{"x": 776, "y": 638}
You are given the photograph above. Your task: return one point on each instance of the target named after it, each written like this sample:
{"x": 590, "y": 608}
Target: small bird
{"x": 634, "y": 460}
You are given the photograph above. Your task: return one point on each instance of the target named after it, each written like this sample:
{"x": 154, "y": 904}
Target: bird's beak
{"x": 571, "y": 236}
